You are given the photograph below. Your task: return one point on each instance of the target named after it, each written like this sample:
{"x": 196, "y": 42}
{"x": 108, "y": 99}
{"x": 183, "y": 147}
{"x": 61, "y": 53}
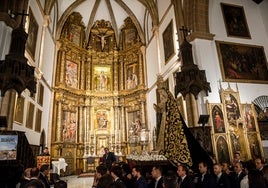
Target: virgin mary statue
{"x": 171, "y": 139}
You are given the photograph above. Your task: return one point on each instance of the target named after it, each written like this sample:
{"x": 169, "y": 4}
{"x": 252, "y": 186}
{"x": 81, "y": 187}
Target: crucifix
{"x": 22, "y": 17}
{"x": 185, "y": 31}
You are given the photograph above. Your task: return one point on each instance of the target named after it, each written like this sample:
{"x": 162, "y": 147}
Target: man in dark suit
{"x": 222, "y": 179}
{"x": 238, "y": 174}
{"x": 140, "y": 180}
{"x": 44, "y": 172}
{"x": 157, "y": 175}
{"x": 205, "y": 179}
{"x": 116, "y": 173}
{"x": 186, "y": 181}
{"x": 108, "y": 158}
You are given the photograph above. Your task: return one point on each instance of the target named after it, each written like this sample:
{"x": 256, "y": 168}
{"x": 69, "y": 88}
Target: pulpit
{"x": 58, "y": 165}
{"x": 42, "y": 160}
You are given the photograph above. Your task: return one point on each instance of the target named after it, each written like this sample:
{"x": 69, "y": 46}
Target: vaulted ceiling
{"x": 141, "y": 12}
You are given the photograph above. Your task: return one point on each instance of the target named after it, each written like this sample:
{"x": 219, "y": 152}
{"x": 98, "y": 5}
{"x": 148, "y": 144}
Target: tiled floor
{"x": 75, "y": 182}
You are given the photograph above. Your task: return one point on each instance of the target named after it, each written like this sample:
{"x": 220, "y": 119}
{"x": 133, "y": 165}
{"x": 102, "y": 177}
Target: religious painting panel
{"x": 255, "y": 145}
{"x": 217, "y": 118}
{"x": 102, "y": 119}
{"x": 19, "y": 111}
{"x": 236, "y": 62}
{"x": 30, "y": 116}
{"x": 222, "y": 149}
{"x": 238, "y": 139}
{"x": 71, "y": 74}
{"x": 235, "y": 21}
{"x": 168, "y": 42}
{"x": 40, "y": 94}
{"x": 130, "y": 37}
{"x": 32, "y": 34}
{"x": 132, "y": 76}
{"x": 69, "y": 125}
{"x": 102, "y": 78}
{"x": 134, "y": 122}
{"x": 38, "y": 120}
{"x": 75, "y": 34}
{"x": 249, "y": 117}
{"x": 232, "y": 106}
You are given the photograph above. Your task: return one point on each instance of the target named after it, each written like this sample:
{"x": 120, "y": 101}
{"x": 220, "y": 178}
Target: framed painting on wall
{"x": 242, "y": 62}
{"x": 168, "y": 41}
{"x": 217, "y": 118}
{"x": 19, "y": 112}
{"x": 30, "y": 116}
{"x": 235, "y": 21}
{"x": 32, "y": 34}
{"x": 38, "y": 120}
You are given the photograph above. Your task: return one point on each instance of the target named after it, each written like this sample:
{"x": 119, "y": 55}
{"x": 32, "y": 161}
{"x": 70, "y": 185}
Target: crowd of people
{"x": 238, "y": 174}
{"x": 38, "y": 178}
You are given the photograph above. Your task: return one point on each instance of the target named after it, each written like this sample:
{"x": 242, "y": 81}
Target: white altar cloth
{"x": 58, "y": 165}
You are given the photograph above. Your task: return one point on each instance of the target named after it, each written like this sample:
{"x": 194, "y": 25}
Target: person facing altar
{"x": 108, "y": 158}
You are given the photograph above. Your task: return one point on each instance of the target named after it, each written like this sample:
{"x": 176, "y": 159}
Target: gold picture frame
{"x": 102, "y": 78}
{"x": 19, "y": 111}
{"x": 236, "y": 62}
{"x": 235, "y": 21}
{"x": 32, "y": 34}
{"x": 38, "y": 120}
{"x": 30, "y": 116}
{"x": 168, "y": 42}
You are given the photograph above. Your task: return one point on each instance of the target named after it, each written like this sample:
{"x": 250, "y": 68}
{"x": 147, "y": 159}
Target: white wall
{"x": 5, "y": 38}
{"x": 206, "y": 54}
{"x": 47, "y": 69}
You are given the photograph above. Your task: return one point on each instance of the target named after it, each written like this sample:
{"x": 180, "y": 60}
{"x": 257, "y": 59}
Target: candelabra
{"x": 133, "y": 141}
{"x": 144, "y": 140}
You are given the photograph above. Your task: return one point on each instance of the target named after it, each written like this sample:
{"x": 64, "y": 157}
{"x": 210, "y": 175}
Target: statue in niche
{"x": 103, "y": 40}
{"x": 132, "y": 81}
{"x": 136, "y": 126}
{"x": 102, "y": 81}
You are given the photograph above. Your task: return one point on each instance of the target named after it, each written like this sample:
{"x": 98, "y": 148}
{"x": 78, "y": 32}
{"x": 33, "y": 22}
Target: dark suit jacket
{"x": 208, "y": 182}
{"x": 188, "y": 182}
{"x": 160, "y": 183}
{"x": 119, "y": 183}
{"x": 44, "y": 179}
{"x": 141, "y": 183}
{"x": 237, "y": 179}
{"x": 108, "y": 159}
{"x": 223, "y": 181}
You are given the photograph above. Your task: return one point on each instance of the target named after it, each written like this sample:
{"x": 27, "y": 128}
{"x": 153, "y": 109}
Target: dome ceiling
{"x": 115, "y": 11}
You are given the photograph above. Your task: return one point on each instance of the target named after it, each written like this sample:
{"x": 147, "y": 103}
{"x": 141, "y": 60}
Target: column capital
{"x": 46, "y": 20}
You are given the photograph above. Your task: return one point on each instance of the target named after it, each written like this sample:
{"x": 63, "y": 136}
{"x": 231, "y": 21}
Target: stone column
{"x": 59, "y": 119}
{"x": 46, "y": 21}
{"x": 82, "y": 75}
{"x": 156, "y": 34}
{"x": 62, "y": 57}
{"x": 142, "y": 72}
{"x": 81, "y": 124}
{"x": 191, "y": 110}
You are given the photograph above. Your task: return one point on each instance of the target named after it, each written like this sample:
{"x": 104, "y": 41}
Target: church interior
{"x": 152, "y": 80}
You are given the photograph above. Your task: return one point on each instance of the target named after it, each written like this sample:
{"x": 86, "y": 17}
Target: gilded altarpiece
{"x": 100, "y": 95}
{"x": 234, "y": 128}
